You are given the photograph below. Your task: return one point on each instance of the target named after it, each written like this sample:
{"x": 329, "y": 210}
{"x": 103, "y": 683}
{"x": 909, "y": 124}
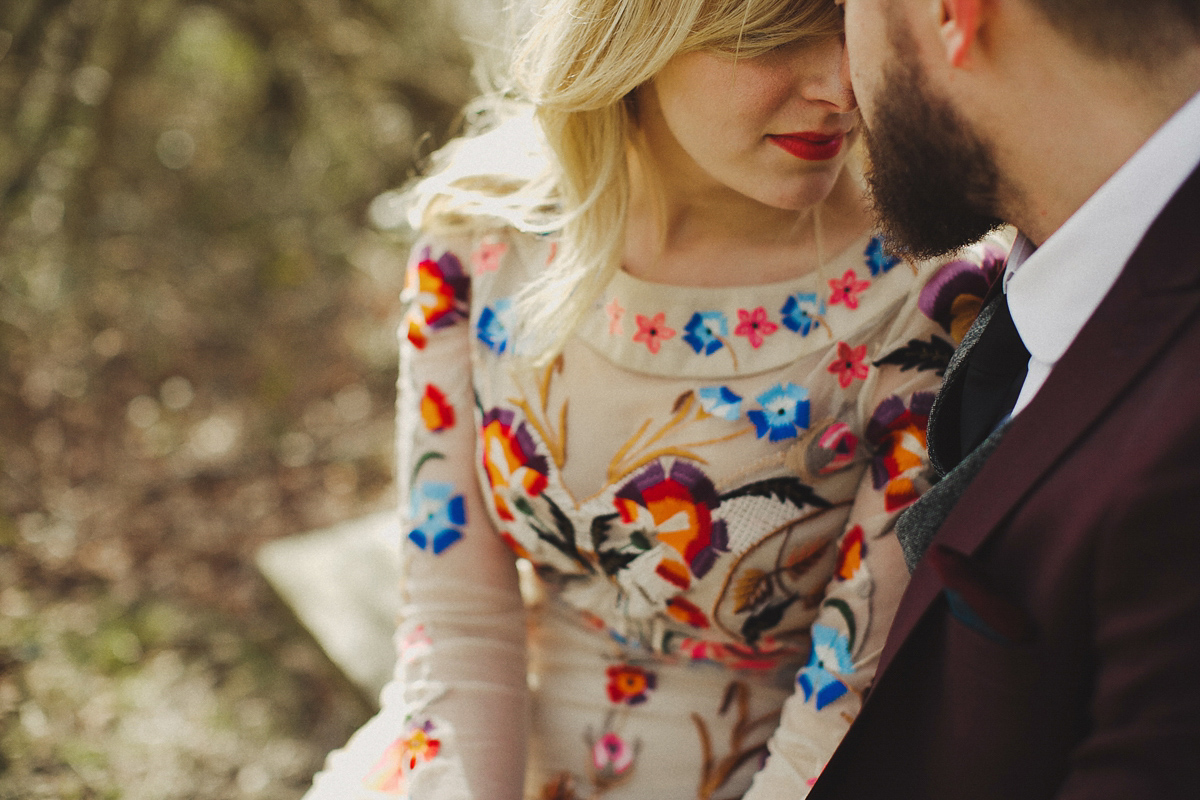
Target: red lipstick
{"x": 810, "y": 145}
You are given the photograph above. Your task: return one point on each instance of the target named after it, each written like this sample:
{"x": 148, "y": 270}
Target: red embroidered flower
{"x": 754, "y": 325}
{"x": 629, "y": 684}
{"x": 849, "y": 364}
{"x": 846, "y": 289}
{"x": 653, "y": 332}
{"x": 850, "y": 554}
{"x": 436, "y": 411}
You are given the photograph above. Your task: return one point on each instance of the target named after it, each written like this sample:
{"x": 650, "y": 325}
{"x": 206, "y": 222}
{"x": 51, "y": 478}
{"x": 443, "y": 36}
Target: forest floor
{"x": 199, "y": 277}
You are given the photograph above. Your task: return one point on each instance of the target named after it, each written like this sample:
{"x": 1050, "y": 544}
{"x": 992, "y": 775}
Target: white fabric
{"x": 1054, "y": 289}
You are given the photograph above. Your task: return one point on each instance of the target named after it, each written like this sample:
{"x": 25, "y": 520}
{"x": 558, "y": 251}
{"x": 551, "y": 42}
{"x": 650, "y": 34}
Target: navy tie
{"x": 995, "y": 373}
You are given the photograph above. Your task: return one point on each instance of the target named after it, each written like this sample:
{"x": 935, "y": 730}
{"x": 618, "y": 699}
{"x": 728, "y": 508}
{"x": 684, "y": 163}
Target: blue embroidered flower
{"x": 436, "y": 514}
{"x": 492, "y": 327}
{"x": 830, "y": 657}
{"x": 878, "y": 261}
{"x": 720, "y": 401}
{"x": 802, "y": 312}
{"x": 784, "y": 412}
{"x": 706, "y": 331}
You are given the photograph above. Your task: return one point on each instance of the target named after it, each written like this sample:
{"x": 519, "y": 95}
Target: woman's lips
{"x": 810, "y": 145}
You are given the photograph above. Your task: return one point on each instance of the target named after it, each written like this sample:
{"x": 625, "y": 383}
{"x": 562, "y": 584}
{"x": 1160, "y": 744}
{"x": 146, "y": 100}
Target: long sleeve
{"x": 861, "y": 599}
{"x": 453, "y": 719}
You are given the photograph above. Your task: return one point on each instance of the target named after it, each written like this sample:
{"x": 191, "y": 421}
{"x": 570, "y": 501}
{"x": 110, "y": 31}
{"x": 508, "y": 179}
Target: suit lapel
{"x": 1157, "y": 292}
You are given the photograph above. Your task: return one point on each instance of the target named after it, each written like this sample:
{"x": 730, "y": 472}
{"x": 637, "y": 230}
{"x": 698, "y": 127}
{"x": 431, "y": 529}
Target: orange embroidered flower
{"x": 629, "y": 684}
{"x": 849, "y": 365}
{"x": 511, "y": 460}
{"x": 402, "y": 756}
{"x": 653, "y": 332}
{"x": 686, "y": 612}
{"x": 897, "y": 433}
{"x": 850, "y": 555}
{"x": 436, "y": 411}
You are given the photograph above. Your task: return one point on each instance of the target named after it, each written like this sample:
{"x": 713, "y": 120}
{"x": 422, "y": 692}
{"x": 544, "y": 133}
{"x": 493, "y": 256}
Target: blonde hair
{"x": 576, "y": 72}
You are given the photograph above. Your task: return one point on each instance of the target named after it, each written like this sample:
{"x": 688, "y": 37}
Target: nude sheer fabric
{"x": 704, "y": 484}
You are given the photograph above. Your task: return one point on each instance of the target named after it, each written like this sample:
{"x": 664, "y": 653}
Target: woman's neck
{"x": 714, "y": 236}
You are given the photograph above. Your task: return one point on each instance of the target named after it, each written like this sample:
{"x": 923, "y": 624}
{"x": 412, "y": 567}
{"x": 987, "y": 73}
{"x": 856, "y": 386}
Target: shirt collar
{"x": 1054, "y": 289}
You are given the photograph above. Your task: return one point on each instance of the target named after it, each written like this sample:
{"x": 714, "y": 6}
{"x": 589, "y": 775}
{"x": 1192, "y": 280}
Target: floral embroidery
{"x": 847, "y": 289}
{"x": 802, "y": 312}
{"x": 784, "y": 412}
{"x": 615, "y": 314}
{"x": 721, "y": 401}
{"x": 653, "y": 331}
{"x": 897, "y": 433}
{"x": 494, "y": 324}
{"x": 441, "y": 289}
{"x": 851, "y": 553}
{"x": 849, "y": 366}
{"x": 686, "y": 612}
{"x": 676, "y": 508}
{"x": 840, "y": 443}
{"x": 735, "y": 656}
{"x": 486, "y": 257}
{"x": 612, "y": 758}
{"x": 879, "y": 260}
{"x": 706, "y": 331}
{"x": 754, "y": 325}
{"x": 436, "y": 411}
{"x": 510, "y": 459}
{"x": 416, "y": 334}
{"x": 954, "y": 296}
{"x": 830, "y": 657}
{"x": 629, "y": 684}
{"x": 417, "y": 746}
{"x": 438, "y": 512}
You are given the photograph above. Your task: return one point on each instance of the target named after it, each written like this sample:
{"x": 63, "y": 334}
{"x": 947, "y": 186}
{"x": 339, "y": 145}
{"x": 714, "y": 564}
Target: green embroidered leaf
{"x": 920, "y": 355}
{"x": 640, "y": 540}
{"x": 425, "y": 457}
{"x": 851, "y": 625}
{"x": 785, "y": 489}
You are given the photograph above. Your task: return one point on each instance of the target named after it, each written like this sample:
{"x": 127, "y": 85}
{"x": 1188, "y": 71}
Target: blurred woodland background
{"x": 198, "y": 304}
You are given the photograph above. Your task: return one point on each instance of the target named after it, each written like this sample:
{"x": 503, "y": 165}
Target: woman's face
{"x": 775, "y": 128}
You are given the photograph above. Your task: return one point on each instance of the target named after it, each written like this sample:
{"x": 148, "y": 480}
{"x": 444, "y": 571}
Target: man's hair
{"x": 1142, "y": 31}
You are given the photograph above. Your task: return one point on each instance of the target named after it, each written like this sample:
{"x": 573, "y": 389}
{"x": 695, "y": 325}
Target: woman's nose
{"x": 828, "y": 81}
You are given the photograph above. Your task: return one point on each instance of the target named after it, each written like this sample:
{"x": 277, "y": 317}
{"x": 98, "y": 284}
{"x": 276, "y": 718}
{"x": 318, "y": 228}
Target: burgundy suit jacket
{"x": 1049, "y": 643}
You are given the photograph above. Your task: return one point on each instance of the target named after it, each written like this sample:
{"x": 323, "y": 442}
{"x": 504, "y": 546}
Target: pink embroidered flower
{"x": 754, "y": 325}
{"x": 404, "y": 755}
{"x": 846, "y": 289}
{"x": 849, "y": 365}
{"x": 653, "y": 332}
{"x": 486, "y": 257}
{"x": 612, "y": 756}
{"x": 615, "y": 314}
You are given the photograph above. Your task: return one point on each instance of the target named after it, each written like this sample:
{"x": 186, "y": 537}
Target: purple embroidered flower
{"x": 721, "y": 401}
{"x": 802, "y": 312}
{"x": 436, "y": 514}
{"x": 878, "y": 260}
{"x": 493, "y": 325}
{"x": 830, "y": 657}
{"x": 784, "y": 412}
{"x": 954, "y": 296}
{"x": 706, "y": 331}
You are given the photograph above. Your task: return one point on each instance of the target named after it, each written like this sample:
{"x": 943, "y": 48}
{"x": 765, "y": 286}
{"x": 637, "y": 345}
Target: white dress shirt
{"x": 1054, "y": 289}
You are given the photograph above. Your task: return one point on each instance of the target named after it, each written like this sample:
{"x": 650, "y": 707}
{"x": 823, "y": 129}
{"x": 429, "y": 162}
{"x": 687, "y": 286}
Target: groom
{"x": 1049, "y": 643}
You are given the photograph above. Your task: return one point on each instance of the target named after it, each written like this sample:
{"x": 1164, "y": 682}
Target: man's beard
{"x": 933, "y": 180}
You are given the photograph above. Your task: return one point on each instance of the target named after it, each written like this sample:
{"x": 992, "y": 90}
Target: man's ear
{"x": 959, "y": 28}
